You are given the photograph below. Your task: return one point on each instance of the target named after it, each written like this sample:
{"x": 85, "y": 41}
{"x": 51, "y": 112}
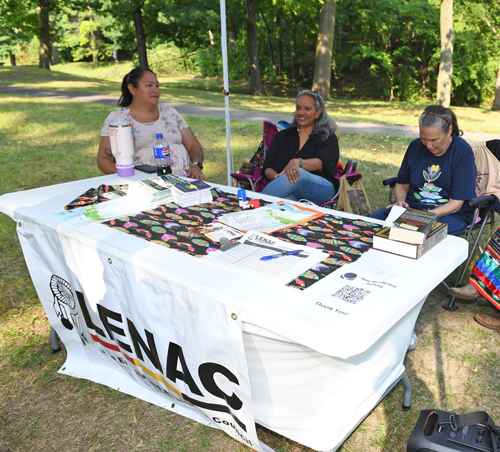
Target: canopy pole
{"x": 226, "y": 89}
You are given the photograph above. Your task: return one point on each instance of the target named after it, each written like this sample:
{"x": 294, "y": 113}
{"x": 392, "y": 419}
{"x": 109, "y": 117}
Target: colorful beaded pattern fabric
{"x": 93, "y": 196}
{"x": 169, "y": 225}
{"x": 345, "y": 240}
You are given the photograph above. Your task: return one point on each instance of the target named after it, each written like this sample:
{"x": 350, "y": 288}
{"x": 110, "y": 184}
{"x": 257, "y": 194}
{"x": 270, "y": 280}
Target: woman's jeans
{"x": 456, "y": 226}
{"x": 309, "y": 186}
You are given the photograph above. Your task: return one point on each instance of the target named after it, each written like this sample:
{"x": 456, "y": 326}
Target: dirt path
{"x": 237, "y": 115}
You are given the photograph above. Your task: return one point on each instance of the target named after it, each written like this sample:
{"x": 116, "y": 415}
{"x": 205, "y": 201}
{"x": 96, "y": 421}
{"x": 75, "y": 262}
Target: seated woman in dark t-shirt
{"x": 302, "y": 160}
{"x": 438, "y": 172}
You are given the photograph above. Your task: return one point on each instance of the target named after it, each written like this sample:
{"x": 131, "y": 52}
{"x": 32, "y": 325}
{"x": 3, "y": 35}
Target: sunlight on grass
{"x": 107, "y": 78}
{"x": 455, "y": 364}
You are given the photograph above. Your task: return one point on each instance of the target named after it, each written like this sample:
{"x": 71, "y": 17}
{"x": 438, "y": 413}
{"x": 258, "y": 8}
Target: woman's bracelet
{"x": 275, "y": 176}
{"x": 301, "y": 162}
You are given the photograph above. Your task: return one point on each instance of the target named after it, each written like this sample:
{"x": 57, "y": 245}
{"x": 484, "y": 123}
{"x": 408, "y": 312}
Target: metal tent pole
{"x": 226, "y": 89}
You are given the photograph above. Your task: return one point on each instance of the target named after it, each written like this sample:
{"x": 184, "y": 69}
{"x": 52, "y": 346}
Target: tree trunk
{"x": 93, "y": 39}
{"x": 270, "y": 44}
{"x": 44, "y": 55}
{"x": 231, "y": 40}
{"x": 141, "y": 38}
{"x": 496, "y": 103}
{"x": 324, "y": 49}
{"x": 115, "y": 51}
{"x": 54, "y": 55}
{"x": 446, "y": 65}
{"x": 253, "y": 48}
{"x": 12, "y": 58}
{"x": 280, "y": 48}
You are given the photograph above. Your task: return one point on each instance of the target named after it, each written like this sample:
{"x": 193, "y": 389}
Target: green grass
{"x": 205, "y": 91}
{"x": 455, "y": 365}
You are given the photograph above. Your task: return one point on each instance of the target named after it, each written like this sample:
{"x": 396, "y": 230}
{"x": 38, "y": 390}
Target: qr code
{"x": 351, "y": 294}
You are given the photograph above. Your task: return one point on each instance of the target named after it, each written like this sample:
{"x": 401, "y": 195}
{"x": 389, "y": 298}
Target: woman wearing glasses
{"x": 302, "y": 160}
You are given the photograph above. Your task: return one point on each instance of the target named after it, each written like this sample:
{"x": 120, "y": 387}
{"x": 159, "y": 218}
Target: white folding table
{"x": 222, "y": 347}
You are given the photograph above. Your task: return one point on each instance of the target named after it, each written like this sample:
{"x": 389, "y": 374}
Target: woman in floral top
{"x": 139, "y": 101}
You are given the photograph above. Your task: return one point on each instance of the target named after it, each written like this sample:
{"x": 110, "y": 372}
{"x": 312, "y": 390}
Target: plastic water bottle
{"x": 162, "y": 155}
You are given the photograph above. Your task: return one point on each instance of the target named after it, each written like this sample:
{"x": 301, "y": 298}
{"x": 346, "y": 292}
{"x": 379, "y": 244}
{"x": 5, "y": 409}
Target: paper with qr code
{"x": 361, "y": 289}
{"x": 352, "y": 291}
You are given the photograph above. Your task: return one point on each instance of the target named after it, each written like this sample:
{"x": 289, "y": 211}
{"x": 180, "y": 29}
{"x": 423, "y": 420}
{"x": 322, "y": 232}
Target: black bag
{"x": 438, "y": 431}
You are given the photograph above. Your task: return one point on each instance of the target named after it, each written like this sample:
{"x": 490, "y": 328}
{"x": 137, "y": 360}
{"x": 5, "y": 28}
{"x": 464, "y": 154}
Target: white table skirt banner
{"x": 141, "y": 334}
{"x": 208, "y": 344}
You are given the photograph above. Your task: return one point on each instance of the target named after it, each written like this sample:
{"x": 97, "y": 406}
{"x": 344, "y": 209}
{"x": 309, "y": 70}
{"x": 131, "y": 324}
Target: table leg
{"x": 54, "y": 342}
{"x": 407, "y": 393}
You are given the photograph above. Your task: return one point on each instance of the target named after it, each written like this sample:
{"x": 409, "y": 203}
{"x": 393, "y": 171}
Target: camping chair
{"x": 485, "y": 205}
{"x": 256, "y": 180}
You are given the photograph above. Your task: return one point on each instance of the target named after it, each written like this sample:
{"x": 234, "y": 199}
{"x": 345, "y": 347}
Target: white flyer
{"x": 265, "y": 257}
{"x": 270, "y": 218}
{"x": 104, "y": 211}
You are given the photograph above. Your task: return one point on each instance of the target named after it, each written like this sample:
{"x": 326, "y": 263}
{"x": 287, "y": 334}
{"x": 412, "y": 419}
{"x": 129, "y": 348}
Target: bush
{"x": 170, "y": 60}
{"x": 210, "y": 61}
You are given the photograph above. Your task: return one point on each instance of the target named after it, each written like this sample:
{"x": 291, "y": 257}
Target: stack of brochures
{"x": 192, "y": 193}
{"x": 156, "y": 190}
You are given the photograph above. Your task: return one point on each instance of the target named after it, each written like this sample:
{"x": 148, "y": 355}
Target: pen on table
{"x": 283, "y": 253}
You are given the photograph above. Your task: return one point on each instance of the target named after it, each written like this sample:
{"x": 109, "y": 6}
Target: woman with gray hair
{"x": 438, "y": 172}
{"x": 302, "y": 160}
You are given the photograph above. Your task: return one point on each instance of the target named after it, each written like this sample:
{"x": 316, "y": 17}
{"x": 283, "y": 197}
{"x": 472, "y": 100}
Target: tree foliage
{"x": 18, "y": 23}
{"x": 381, "y": 48}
